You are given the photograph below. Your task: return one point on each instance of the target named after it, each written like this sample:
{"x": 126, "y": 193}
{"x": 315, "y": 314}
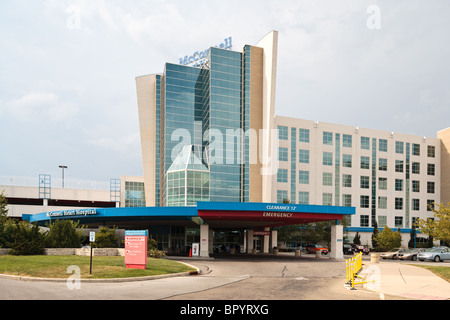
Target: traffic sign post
{"x": 91, "y": 240}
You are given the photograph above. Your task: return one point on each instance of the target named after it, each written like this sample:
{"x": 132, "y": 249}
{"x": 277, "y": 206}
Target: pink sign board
{"x": 136, "y": 249}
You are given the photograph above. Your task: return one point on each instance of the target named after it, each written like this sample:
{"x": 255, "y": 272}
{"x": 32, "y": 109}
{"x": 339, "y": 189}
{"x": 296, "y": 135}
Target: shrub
{"x": 27, "y": 239}
{"x": 63, "y": 234}
{"x": 106, "y": 238}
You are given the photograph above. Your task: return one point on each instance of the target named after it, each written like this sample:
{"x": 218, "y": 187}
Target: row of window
{"x": 327, "y": 180}
{"x": 327, "y": 160}
{"x": 364, "y": 201}
{"x": 327, "y": 139}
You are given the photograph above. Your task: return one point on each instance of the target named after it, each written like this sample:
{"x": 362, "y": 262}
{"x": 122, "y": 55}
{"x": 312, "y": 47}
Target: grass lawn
{"x": 443, "y": 272}
{"x": 102, "y": 267}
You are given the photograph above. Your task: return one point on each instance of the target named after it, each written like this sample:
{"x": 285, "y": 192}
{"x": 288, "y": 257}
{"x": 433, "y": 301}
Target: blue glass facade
{"x": 208, "y": 108}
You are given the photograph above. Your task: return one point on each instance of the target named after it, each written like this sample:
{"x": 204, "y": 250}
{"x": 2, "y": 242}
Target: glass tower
{"x": 203, "y": 110}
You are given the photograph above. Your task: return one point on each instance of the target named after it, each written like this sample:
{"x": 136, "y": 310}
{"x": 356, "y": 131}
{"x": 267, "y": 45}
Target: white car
{"x": 436, "y": 254}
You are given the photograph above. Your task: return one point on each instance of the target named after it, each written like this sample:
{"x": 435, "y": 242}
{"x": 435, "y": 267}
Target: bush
{"x": 152, "y": 249}
{"x": 106, "y": 238}
{"x": 63, "y": 234}
{"x": 27, "y": 239}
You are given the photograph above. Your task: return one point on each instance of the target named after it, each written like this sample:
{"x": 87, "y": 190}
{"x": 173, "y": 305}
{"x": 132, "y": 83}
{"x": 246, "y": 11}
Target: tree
{"x": 3, "y": 204}
{"x": 63, "y": 234}
{"x": 437, "y": 227}
{"x": 357, "y": 238}
{"x": 106, "y": 238}
{"x": 375, "y": 234}
{"x": 27, "y": 239}
{"x": 388, "y": 239}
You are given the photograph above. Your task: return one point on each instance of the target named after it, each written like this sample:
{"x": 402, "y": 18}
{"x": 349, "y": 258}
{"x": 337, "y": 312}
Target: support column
{"x": 336, "y": 251}
{"x": 249, "y": 241}
{"x": 266, "y": 242}
{"x": 274, "y": 239}
{"x": 204, "y": 241}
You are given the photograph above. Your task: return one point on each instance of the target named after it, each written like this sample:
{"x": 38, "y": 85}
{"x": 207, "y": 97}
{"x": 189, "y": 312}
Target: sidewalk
{"x": 405, "y": 280}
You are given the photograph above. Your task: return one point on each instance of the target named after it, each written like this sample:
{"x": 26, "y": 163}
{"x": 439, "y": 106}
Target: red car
{"x": 360, "y": 248}
{"x": 312, "y": 248}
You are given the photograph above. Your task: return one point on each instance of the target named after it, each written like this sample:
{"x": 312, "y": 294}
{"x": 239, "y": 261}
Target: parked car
{"x": 360, "y": 248}
{"x": 436, "y": 254}
{"x": 410, "y": 254}
{"x": 312, "y": 248}
{"x": 348, "y": 249}
{"x": 393, "y": 254}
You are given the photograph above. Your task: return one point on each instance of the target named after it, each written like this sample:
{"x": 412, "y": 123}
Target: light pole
{"x": 63, "y": 167}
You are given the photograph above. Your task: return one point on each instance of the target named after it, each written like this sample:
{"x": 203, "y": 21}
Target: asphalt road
{"x": 282, "y": 277}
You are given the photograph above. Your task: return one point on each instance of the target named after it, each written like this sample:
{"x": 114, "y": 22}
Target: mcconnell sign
{"x": 197, "y": 59}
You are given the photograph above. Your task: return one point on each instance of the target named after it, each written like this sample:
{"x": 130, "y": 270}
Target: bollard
{"x": 318, "y": 253}
{"x": 374, "y": 258}
{"x": 297, "y": 252}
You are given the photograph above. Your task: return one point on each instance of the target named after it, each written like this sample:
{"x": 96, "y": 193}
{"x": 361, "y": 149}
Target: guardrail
{"x": 353, "y": 266}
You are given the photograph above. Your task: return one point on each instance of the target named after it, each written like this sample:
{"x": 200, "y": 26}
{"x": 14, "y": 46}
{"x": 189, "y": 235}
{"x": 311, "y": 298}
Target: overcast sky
{"x": 68, "y": 69}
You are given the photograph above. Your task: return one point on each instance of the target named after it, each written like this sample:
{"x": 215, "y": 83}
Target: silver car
{"x": 393, "y": 254}
{"x": 410, "y": 254}
{"x": 436, "y": 254}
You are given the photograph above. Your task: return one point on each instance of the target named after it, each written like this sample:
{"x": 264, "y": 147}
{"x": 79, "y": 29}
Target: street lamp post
{"x": 63, "y": 167}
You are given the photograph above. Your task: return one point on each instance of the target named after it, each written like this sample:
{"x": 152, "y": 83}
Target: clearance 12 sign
{"x": 136, "y": 249}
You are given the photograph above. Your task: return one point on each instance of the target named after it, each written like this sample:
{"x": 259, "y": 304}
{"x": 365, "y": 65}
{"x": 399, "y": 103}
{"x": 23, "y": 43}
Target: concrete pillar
{"x": 266, "y": 241}
{"x": 204, "y": 241}
{"x": 337, "y": 232}
{"x": 211, "y": 242}
{"x": 249, "y": 241}
{"x": 274, "y": 239}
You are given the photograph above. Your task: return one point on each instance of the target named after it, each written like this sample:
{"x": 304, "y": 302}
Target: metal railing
{"x": 353, "y": 266}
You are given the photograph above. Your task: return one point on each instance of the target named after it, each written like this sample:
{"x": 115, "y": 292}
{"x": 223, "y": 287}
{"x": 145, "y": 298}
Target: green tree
{"x": 357, "y": 238}
{"x": 437, "y": 227}
{"x": 64, "y": 234}
{"x": 27, "y": 239}
{"x": 106, "y": 238}
{"x": 375, "y": 233}
{"x": 3, "y": 220}
{"x": 388, "y": 239}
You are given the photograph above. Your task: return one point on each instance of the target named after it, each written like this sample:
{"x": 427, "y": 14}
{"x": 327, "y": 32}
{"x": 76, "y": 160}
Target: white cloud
{"x": 41, "y": 105}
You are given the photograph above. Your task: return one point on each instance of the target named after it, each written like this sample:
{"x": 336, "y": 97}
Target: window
{"x": 303, "y": 135}
{"x": 347, "y": 140}
{"x": 399, "y": 147}
{"x": 282, "y": 175}
{"x": 415, "y": 149}
{"x": 327, "y": 179}
{"x": 327, "y": 159}
{"x": 415, "y": 167}
{"x": 303, "y": 197}
{"x": 364, "y": 201}
{"x": 303, "y": 156}
{"x": 382, "y": 221}
{"x": 382, "y": 183}
{"x": 398, "y": 165}
{"x": 347, "y": 200}
{"x": 282, "y": 133}
{"x": 382, "y": 202}
{"x": 382, "y": 145}
{"x": 328, "y": 138}
{"x": 347, "y": 180}
{"x": 282, "y": 195}
{"x": 327, "y": 199}
{"x": 415, "y": 186}
{"x": 431, "y": 151}
{"x": 430, "y": 204}
{"x": 415, "y": 204}
{"x": 283, "y": 154}
{"x": 303, "y": 177}
{"x": 364, "y": 221}
{"x": 431, "y": 169}
{"x": 398, "y": 203}
{"x": 398, "y": 221}
{"x": 365, "y": 143}
{"x": 364, "y": 182}
{"x": 398, "y": 184}
{"x": 382, "y": 164}
{"x": 347, "y": 160}
{"x": 365, "y": 162}
{"x": 430, "y": 187}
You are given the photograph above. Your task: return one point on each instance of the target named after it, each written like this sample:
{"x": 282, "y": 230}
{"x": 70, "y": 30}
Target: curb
{"x": 114, "y": 280}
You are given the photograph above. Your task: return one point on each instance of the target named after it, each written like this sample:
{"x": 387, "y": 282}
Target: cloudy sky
{"x": 68, "y": 68}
